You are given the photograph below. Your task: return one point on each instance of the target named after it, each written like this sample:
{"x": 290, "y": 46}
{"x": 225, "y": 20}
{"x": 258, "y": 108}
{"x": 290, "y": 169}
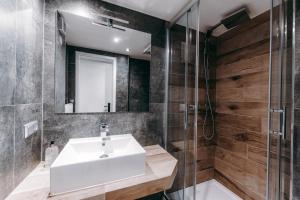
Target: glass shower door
{"x": 182, "y": 106}
{"x": 280, "y": 101}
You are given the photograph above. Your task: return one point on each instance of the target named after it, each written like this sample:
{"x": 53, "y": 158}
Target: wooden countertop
{"x": 161, "y": 169}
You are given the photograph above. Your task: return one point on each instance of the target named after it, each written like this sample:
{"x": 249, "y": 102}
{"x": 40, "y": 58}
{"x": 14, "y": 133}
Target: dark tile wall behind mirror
{"x": 138, "y": 89}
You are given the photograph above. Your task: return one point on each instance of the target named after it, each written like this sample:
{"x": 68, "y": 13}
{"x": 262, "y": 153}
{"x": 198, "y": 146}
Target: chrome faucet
{"x": 104, "y": 130}
{"x": 106, "y": 144}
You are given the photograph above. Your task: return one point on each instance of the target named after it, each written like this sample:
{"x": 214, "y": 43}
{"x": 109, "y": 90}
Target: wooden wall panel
{"x": 241, "y": 108}
{"x": 261, "y": 32}
{"x": 256, "y": 49}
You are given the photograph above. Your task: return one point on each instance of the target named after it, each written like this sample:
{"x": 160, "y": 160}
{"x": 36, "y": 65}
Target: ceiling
{"x": 211, "y": 11}
{"x": 83, "y": 32}
{"x": 102, "y": 38}
{"x": 163, "y": 9}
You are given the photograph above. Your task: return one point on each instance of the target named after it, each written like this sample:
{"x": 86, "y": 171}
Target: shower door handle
{"x": 186, "y": 116}
{"x": 188, "y": 108}
{"x": 282, "y": 131}
{"x": 283, "y": 123}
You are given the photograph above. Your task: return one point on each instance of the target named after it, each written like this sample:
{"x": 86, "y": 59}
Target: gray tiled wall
{"x": 296, "y": 146}
{"x": 146, "y": 127}
{"x": 6, "y": 150}
{"x": 21, "y": 83}
{"x": 21, "y": 60}
{"x": 139, "y": 83}
{"x": 60, "y": 80}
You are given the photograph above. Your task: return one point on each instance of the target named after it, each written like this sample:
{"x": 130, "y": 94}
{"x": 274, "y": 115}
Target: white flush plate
{"x": 30, "y": 128}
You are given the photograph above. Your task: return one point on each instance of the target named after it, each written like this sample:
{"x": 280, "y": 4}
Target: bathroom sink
{"x": 85, "y": 162}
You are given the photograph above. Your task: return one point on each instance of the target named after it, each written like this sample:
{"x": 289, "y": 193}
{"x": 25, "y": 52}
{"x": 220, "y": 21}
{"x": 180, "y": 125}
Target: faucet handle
{"x": 104, "y": 125}
{"x": 104, "y": 129}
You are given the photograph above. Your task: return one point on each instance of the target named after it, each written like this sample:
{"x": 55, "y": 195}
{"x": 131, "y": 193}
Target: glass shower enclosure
{"x": 186, "y": 99}
{"x": 183, "y": 101}
{"x": 280, "y": 110}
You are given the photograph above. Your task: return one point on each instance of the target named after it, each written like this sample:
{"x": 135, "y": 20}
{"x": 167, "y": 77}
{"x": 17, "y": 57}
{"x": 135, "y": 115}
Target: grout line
{"x": 14, "y": 146}
{"x": 12, "y": 105}
{"x": 14, "y": 95}
{"x": 8, "y": 106}
{"x": 43, "y": 68}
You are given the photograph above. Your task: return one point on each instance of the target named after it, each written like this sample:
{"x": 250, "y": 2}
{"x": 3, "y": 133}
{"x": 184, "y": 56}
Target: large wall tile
{"x": 122, "y": 84}
{"x": 27, "y": 151}
{"x": 60, "y": 71}
{"x": 21, "y": 60}
{"x": 137, "y": 124}
{"x": 7, "y": 51}
{"x": 296, "y": 134}
{"x": 29, "y": 53}
{"x": 60, "y": 128}
{"x": 139, "y": 82}
{"x": 48, "y": 84}
{"x": 297, "y": 92}
{"x": 157, "y": 75}
{"x": 296, "y": 166}
{"x": 6, "y": 150}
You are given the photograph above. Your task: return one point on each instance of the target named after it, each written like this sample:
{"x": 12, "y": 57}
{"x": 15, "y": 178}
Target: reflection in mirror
{"x": 100, "y": 66}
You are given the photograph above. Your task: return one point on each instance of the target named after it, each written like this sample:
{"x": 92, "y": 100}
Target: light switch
{"x": 30, "y": 128}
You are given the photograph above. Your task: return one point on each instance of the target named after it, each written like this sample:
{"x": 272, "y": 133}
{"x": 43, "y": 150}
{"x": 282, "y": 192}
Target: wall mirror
{"x": 100, "y": 65}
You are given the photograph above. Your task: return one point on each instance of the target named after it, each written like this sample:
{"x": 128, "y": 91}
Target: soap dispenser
{"x": 51, "y": 154}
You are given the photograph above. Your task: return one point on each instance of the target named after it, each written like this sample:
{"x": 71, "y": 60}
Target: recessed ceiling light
{"x": 116, "y": 39}
{"x": 127, "y": 49}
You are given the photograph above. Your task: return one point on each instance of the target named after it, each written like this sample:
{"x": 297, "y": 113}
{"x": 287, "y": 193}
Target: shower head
{"x": 232, "y": 20}
{"x": 236, "y": 18}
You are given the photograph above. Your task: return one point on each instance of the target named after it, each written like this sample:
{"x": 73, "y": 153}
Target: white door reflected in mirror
{"x": 95, "y": 83}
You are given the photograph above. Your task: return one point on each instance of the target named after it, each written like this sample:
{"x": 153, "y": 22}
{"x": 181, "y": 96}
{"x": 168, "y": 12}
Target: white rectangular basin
{"x": 81, "y": 163}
